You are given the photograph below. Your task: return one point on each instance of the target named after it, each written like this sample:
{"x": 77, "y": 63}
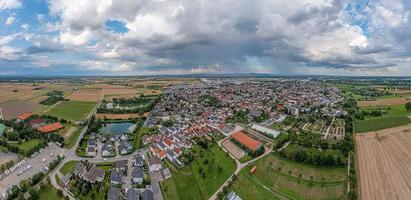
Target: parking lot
{"x": 29, "y": 167}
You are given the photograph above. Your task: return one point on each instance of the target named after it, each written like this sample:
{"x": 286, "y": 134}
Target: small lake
{"x": 117, "y": 128}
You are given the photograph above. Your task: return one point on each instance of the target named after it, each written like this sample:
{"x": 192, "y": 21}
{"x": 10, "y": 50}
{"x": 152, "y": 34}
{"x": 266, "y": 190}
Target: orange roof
{"x": 246, "y": 140}
{"x": 50, "y": 127}
{"x": 162, "y": 154}
{"x": 167, "y": 141}
{"x": 25, "y": 115}
{"x": 253, "y": 169}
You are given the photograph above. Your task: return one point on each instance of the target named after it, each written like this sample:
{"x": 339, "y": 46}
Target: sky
{"x": 153, "y": 37}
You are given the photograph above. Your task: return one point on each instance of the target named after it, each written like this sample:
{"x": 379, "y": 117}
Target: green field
{"x": 72, "y": 110}
{"x": 72, "y": 140}
{"x": 188, "y": 183}
{"x": 48, "y": 192}
{"x": 397, "y": 115}
{"x": 28, "y": 145}
{"x": 289, "y": 179}
{"x": 68, "y": 167}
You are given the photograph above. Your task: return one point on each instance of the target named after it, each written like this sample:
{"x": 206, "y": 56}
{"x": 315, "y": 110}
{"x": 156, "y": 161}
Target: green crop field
{"x": 72, "y": 110}
{"x": 291, "y": 180}
{"x": 397, "y": 115}
{"x": 190, "y": 183}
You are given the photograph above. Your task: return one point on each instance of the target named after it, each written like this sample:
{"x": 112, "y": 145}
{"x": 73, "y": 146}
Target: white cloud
{"x": 10, "y": 4}
{"x": 10, "y": 20}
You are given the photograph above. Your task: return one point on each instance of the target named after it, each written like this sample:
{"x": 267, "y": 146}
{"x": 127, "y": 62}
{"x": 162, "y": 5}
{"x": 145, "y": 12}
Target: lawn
{"x": 28, "y": 145}
{"x": 72, "y": 110}
{"x": 72, "y": 140}
{"x": 68, "y": 167}
{"x": 49, "y": 192}
{"x": 290, "y": 179}
{"x": 396, "y": 116}
{"x": 189, "y": 183}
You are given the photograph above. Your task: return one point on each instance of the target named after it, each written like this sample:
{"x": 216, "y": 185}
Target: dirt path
{"x": 384, "y": 163}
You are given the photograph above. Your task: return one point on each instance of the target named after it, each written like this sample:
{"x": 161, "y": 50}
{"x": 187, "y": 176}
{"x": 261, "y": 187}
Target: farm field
{"x": 188, "y": 183}
{"x": 383, "y": 162}
{"x": 72, "y": 110}
{"x": 13, "y": 109}
{"x": 290, "y": 179}
{"x": 69, "y": 143}
{"x": 87, "y": 95}
{"x": 381, "y": 101}
{"x": 28, "y": 91}
{"x": 397, "y": 115}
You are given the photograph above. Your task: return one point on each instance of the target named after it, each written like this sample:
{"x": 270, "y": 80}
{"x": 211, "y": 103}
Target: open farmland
{"x": 383, "y": 102}
{"x": 13, "y": 109}
{"x": 290, "y": 179}
{"x": 396, "y": 115}
{"x": 384, "y": 163}
{"x": 72, "y": 110}
{"x": 89, "y": 95}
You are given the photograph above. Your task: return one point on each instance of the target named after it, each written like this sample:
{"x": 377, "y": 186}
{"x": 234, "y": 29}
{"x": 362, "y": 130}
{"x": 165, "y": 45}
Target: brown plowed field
{"x": 384, "y": 163}
{"x": 383, "y": 102}
{"x": 13, "y": 109}
{"x": 90, "y": 95}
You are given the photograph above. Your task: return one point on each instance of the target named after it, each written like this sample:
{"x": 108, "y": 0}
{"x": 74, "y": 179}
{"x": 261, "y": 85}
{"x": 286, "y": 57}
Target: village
{"x": 138, "y": 157}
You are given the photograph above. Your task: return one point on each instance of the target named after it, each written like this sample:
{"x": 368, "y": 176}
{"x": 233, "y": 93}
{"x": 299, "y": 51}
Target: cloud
{"x": 10, "y": 20}
{"x": 10, "y": 4}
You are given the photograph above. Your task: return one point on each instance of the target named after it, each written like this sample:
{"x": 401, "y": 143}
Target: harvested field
{"x": 383, "y": 102}
{"x": 13, "y": 109}
{"x": 68, "y": 132}
{"x": 384, "y": 163}
{"x": 119, "y": 116}
{"x": 236, "y": 151}
{"x": 89, "y": 95}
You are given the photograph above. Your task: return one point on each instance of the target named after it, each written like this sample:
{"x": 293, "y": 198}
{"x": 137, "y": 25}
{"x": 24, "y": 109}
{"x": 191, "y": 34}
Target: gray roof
{"x": 137, "y": 172}
{"x": 94, "y": 173}
{"x": 116, "y": 176}
{"x": 154, "y": 160}
{"x": 147, "y": 195}
{"x": 79, "y": 169}
{"x": 120, "y": 164}
{"x": 133, "y": 194}
{"x": 139, "y": 161}
{"x": 114, "y": 193}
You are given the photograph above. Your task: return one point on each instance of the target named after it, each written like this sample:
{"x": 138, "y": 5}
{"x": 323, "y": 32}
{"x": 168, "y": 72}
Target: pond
{"x": 117, "y": 128}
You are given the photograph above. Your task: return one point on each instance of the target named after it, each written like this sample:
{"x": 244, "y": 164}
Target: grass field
{"x": 72, "y": 110}
{"x": 396, "y": 116}
{"x": 68, "y": 167}
{"x": 49, "y": 192}
{"x": 188, "y": 183}
{"x": 293, "y": 180}
{"x": 72, "y": 140}
{"x": 26, "y": 146}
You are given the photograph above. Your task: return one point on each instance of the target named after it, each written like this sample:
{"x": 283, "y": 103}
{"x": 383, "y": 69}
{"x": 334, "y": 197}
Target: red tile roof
{"x": 246, "y": 140}
{"x": 50, "y": 127}
{"x": 25, "y": 115}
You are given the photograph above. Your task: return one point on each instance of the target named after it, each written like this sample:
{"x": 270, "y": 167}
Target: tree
{"x": 408, "y": 106}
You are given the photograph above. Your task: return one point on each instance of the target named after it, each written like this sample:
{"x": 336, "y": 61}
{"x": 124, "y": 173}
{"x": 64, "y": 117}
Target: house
{"x": 154, "y": 164}
{"x": 147, "y": 195}
{"x": 146, "y": 139}
{"x": 138, "y": 161}
{"x": 166, "y": 173}
{"x": 121, "y": 165}
{"x": 133, "y": 194}
{"x": 91, "y": 143}
{"x": 50, "y": 127}
{"x": 171, "y": 155}
{"x": 94, "y": 175}
{"x": 25, "y": 116}
{"x": 34, "y": 123}
{"x": 65, "y": 180}
{"x": 137, "y": 175}
{"x": 106, "y": 150}
{"x": 79, "y": 169}
{"x": 116, "y": 177}
{"x": 114, "y": 194}
{"x": 232, "y": 196}
{"x": 246, "y": 141}
{"x": 124, "y": 148}
{"x": 162, "y": 154}
{"x": 91, "y": 151}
